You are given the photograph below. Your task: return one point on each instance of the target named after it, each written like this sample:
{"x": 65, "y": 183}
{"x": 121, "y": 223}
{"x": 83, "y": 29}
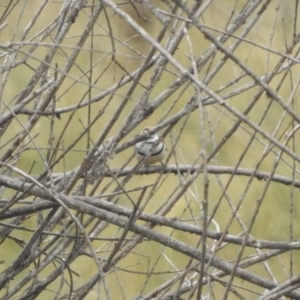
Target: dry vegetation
{"x": 80, "y": 218}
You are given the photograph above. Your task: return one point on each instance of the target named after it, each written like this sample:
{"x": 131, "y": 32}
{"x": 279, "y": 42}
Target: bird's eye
{"x": 152, "y": 135}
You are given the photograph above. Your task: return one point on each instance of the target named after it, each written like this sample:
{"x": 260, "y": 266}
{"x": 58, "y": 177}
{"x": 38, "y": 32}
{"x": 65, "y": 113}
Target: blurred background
{"x": 83, "y": 75}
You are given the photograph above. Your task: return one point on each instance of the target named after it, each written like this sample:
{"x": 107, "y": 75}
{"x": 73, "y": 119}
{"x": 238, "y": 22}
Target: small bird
{"x": 145, "y": 147}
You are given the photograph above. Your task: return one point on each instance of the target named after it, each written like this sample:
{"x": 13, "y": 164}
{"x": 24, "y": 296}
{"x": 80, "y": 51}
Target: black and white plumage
{"x": 143, "y": 148}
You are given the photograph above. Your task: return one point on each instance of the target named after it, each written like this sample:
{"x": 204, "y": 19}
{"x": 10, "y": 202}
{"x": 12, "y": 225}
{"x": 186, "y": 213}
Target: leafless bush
{"x": 81, "y": 218}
